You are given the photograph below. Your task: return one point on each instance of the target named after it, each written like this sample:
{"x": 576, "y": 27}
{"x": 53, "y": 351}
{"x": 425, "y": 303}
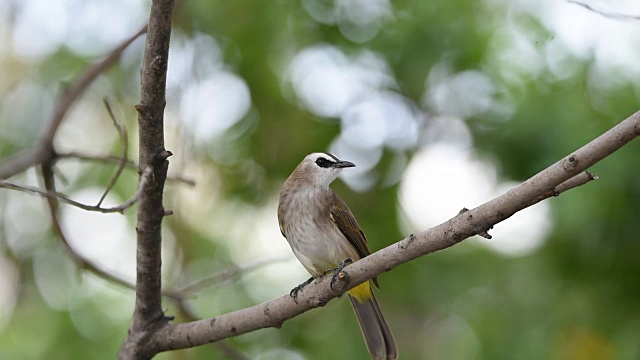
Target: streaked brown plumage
{"x": 322, "y": 232}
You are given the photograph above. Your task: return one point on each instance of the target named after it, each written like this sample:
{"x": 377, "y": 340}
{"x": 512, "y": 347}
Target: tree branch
{"x": 605, "y": 13}
{"x": 122, "y": 133}
{"x": 561, "y": 176}
{"x": 81, "y": 262}
{"x": 111, "y": 159}
{"x": 578, "y": 180}
{"x": 221, "y": 276}
{"x": 43, "y": 151}
{"x": 148, "y": 315}
{"x": 51, "y": 193}
{"x": 229, "y": 351}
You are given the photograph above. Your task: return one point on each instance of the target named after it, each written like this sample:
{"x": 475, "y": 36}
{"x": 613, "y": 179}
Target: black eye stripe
{"x": 324, "y": 163}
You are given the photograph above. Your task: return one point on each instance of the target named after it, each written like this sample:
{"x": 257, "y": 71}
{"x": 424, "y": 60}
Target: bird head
{"x": 321, "y": 168}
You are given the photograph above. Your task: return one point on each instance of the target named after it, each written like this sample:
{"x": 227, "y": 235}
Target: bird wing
{"x": 348, "y": 226}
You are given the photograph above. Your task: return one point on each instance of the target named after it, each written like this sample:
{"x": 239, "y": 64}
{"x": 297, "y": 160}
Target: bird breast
{"x": 314, "y": 238}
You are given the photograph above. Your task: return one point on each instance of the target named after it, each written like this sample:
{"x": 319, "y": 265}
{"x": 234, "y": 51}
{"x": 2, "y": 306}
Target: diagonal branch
{"x": 51, "y": 193}
{"x": 122, "y": 133}
{"x": 43, "y": 151}
{"x": 605, "y": 13}
{"x": 578, "y": 180}
{"x": 221, "y": 276}
{"x": 81, "y": 262}
{"x": 549, "y": 182}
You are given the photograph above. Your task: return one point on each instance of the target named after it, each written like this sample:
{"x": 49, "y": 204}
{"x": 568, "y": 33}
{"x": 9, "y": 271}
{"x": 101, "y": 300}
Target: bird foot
{"x": 294, "y": 292}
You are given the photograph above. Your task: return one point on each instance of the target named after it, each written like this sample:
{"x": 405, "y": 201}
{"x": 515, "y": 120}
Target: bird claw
{"x": 339, "y": 274}
{"x": 294, "y": 292}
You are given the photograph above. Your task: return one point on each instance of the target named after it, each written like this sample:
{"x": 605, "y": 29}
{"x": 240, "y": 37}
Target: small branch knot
{"x": 569, "y": 164}
{"x": 163, "y": 155}
{"x": 141, "y": 109}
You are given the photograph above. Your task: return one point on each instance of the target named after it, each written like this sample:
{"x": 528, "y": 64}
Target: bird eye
{"x": 324, "y": 163}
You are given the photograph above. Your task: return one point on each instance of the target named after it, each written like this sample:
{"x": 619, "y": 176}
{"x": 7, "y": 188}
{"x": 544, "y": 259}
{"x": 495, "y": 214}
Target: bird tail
{"x": 376, "y": 332}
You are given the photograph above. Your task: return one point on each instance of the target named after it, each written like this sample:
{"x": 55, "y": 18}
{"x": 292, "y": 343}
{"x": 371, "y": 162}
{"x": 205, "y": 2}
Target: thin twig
{"x": 63, "y": 198}
{"x": 578, "y": 180}
{"x": 224, "y": 275}
{"x": 106, "y": 159}
{"x": 122, "y": 133}
{"x": 144, "y": 178}
{"x": 111, "y": 159}
{"x": 605, "y": 13}
{"x": 74, "y": 92}
{"x": 61, "y": 176}
{"x": 52, "y": 201}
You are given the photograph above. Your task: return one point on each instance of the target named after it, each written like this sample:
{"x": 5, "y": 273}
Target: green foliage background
{"x": 576, "y": 297}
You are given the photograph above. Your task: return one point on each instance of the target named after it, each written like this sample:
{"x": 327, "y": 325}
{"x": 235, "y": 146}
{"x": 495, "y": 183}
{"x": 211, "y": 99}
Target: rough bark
{"x": 148, "y": 315}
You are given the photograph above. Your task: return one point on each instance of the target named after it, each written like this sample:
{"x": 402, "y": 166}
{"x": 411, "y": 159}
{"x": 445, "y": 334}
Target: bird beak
{"x": 344, "y": 164}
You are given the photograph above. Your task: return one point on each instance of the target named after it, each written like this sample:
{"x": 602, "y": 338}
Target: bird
{"x": 323, "y": 234}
